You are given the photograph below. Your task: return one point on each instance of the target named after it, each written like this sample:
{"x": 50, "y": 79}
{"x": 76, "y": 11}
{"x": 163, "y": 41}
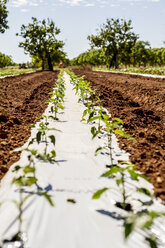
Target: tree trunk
{"x": 43, "y": 65}
{"x": 115, "y": 60}
{"x": 50, "y": 63}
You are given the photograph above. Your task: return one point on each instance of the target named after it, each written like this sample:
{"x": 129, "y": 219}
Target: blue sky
{"x": 79, "y": 18}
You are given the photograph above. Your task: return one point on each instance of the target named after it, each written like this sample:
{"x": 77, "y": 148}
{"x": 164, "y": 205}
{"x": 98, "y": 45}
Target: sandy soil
{"x": 22, "y": 100}
{"x": 140, "y": 103}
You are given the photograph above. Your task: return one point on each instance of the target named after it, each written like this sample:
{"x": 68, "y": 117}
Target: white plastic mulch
{"x": 87, "y": 223}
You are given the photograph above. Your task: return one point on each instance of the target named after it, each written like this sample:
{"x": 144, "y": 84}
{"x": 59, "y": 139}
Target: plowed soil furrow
{"x": 140, "y": 103}
{"x": 22, "y": 100}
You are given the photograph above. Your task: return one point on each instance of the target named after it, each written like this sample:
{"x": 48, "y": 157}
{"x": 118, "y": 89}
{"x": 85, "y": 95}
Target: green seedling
{"x": 42, "y": 136}
{"x": 56, "y": 100}
{"x": 112, "y": 126}
{"x": 57, "y": 96}
{"x": 27, "y": 179}
{"x": 120, "y": 174}
{"x": 143, "y": 220}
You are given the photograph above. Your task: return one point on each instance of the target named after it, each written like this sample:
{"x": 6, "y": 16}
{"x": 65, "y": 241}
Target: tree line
{"x": 141, "y": 55}
{"x": 114, "y": 44}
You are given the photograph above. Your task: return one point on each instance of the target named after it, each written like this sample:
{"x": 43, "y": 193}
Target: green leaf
{"x": 33, "y": 152}
{"x": 118, "y": 181}
{"x": 118, "y": 120}
{"x": 52, "y": 109}
{"x": 128, "y": 228}
{"x": 52, "y": 138}
{"x": 121, "y": 133}
{"x": 60, "y": 106}
{"x": 94, "y": 132}
{"x": 98, "y": 150}
{"x": 17, "y": 168}
{"x": 113, "y": 170}
{"x": 94, "y": 118}
{"x": 38, "y": 137}
{"x": 29, "y": 181}
{"x": 133, "y": 174}
{"x": 152, "y": 241}
{"x": 91, "y": 115}
{"x": 29, "y": 169}
{"x": 98, "y": 193}
{"x": 32, "y": 125}
{"x": 48, "y": 198}
{"x": 53, "y": 154}
{"x": 31, "y": 141}
{"x": 144, "y": 191}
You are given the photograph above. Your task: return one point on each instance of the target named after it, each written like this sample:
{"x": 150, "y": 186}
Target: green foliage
{"x": 116, "y": 38}
{"x": 98, "y": 193}
{"x": 26, "y": 175}
{"x": 3, "y": 16}
{"x": 57, "y": 96}
{"x": 143, "y": 220}
{"x": 5, "y": 60}
{"x": 93, "y": 57}
{"x": 121, "y": 171}
{"x": 40, "y": 41}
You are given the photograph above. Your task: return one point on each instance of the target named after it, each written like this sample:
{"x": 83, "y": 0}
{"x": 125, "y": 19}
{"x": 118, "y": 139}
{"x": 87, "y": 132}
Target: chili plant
{"x": 42, "y": 136}
{"x": 121, "y": 173}
{"x": 111, "y": 126}
{"x": 26, "y": 179}
{"x": 144, "y": 220}
{"x": 57, "y": 96}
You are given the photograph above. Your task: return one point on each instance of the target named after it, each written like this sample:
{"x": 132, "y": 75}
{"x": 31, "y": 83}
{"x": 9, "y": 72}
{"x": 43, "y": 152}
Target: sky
{"x": 79, "y": 18}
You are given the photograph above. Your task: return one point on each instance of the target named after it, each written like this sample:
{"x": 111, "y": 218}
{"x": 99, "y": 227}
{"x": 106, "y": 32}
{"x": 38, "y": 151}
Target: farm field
{"x": 69, "y": 177}
{"x": 153, "y": 70}
{"x": 139, "y": 102}
{"x": 22, "y": 100}
{"x": 14, "y": 70}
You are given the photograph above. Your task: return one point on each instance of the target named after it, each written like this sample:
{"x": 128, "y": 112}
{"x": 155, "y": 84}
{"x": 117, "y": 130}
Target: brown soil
{"x": 140, "y": 103}
{"x": 22, "y": 100}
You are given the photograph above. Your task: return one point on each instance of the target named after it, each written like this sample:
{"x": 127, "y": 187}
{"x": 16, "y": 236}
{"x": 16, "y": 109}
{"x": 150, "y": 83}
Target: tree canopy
{"x": 5, "y": 60}
{"x": 40, "y": 41}
{"x": 116, "y": 38}
{"x": 3, "y": 16}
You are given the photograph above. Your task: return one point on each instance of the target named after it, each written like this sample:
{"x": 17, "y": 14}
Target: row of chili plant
{"x": 26, "y": 179}
{"x": 120, "y": 171}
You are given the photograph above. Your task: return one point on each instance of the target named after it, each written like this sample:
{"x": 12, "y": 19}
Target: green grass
{"x": 14, "y": 70}
{"x": 154, "y": 70}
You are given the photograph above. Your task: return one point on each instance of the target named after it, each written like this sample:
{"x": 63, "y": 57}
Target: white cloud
{"x": 18, "y": 3}
{"x": 86, "y": 3}
{"x": 21, "y": 3}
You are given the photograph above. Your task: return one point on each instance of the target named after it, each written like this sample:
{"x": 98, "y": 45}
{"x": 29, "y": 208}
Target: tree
{"x": 93, "y": 57}
{"x": 140, "y": 53}
{"x": 5, "y": 60}
{"x": 40, "y": 41}
{"x": 116, "y": 38}
{"x": 3, "y": 16}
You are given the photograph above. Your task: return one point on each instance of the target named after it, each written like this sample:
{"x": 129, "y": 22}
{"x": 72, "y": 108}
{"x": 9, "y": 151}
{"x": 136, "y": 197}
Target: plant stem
{"x": 110, "y": 147}
{"x": 123, "y": 188}
{"x": 20, "y": 211}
